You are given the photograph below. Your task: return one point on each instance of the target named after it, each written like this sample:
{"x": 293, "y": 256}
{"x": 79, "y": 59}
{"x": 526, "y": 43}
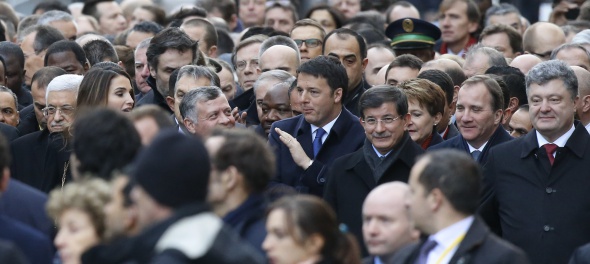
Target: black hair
{"x": 443, "y": 80}
{"x": 104, "y": 141}
{"x": 343, "y": 33}
{"x": 514, "y": 79}
{"x": 456, "y": 175}
{"x": 328, "y": 68}
{"x": 63, "y": 46}
{"x": 99, "y": 50}
{"x": 49, "y": 6}
{"x": 225, "y": 44}
{"x": 170, "y": 38}
{"x": 147, "y": 27}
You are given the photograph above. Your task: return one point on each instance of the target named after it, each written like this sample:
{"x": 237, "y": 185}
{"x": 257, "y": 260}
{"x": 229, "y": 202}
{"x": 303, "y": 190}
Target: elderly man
{"x": 205, "y": 108}
{"x": 8, "y": 107}
{"x": 480, "y": 58}
{"x": 388, "y": 154}
{"x": 35, "y": 43}
{"x": 542, "y": 38}
{"x": 548, "y": 166}
{"x": 189, "y": 77}
{"x": 61, "y": 21}
{"x": 40, "y": 158}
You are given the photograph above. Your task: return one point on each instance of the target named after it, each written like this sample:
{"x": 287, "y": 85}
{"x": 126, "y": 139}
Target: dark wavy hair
{"x": 308, "y": 215}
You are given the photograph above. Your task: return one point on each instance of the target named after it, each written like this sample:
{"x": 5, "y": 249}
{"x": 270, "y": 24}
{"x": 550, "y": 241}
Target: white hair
{"x": 583, "y": 37}
{"x": 66, "y": 82}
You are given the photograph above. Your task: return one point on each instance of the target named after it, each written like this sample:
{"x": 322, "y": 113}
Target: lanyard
{"x": 451, "y": 246}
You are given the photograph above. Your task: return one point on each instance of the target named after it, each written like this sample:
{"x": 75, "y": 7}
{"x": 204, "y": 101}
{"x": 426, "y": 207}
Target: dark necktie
{"x": 317, "y": 141}
{"x": 424, "y": 250}
{"x": 550, "y": 148}
{"x": 475, "y": 154}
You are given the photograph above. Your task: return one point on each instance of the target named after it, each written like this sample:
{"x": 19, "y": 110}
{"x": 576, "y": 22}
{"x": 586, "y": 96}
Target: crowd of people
{"x": 294, "y": 132}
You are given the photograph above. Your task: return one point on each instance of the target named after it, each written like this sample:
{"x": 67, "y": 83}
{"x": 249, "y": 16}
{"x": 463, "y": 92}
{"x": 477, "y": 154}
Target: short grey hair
{"x": 278, "y": 40}
{"x": 55, "y": 15}
{"x": 143, "y": 44}
{"x": 279, "y": 76}
{"x": 567, "y": 46}
{"x": 197, "y": 72}
{"x": 4, "y": 89}
{"x": 495, "y": 58}
{"x": 583, "y": 37}
{"x": 547, "y": 71}
{"x": 189, "y": 102}
{"x": 66, "y": 82}
{"x": 500, "y": 10}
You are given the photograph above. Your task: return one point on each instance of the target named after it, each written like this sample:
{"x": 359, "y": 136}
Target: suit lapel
{"x": 303, "y": 131}
{"x": 363, "y": 171}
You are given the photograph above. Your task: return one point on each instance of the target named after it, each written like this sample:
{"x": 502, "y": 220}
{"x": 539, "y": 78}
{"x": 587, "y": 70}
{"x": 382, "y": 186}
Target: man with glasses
{"x": 40, "y": 159}
{"x": 305, "y": 146}
{"x": 308, "y": 35}
{"x": 479, "y": 115}
{"x": 387, "y": 155}
{"x": 541, "y": 38}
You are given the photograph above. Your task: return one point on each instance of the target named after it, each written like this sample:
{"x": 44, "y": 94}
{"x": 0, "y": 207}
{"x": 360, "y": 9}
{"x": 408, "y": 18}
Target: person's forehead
{"x": 248, "y": 51}
{"x": 108, "y": 7}
{"x": 457, "y": 7}
{"x": 342, "y": 46}
{"x": 306, "y": 30}
{"x": 6, "y": 98}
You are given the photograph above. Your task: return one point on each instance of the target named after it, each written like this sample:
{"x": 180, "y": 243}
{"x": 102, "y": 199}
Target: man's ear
{"x": 212, "y": 52}
{"x": 513, "y": 104}
{"x": 585, "y": 103}
{"x": 86, "y": 66}
{"x": 338, "y": 95}
{"x": 4, "y": 180}
{"x": 190, "y": 126}
{"x": 152, "y": 71}
{"x": 365, "y": 63}
{"x": 170, "y": 102}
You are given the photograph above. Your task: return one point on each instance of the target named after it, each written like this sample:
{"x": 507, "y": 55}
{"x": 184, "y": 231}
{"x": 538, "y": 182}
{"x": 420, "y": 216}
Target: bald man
{"x": 280, "y": 57}
{"x": 525, "y": 62}
{"x": 583, "y": 106}
{"x": 542, "y": 38}
{"x": 387, "y": 226}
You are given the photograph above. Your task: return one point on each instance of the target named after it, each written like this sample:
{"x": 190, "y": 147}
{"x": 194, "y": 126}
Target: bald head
{"x": 441, "y": 64}
{"x": 542, "y": 38}
{"x": 387, "y": 226}
{"x": 280, "y": 57}
{"x": 583, "y": 105}
{"x": 525, "y": 62}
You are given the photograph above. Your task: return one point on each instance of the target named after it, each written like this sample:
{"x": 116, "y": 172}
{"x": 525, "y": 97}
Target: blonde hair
{"x": 88, "y": 195}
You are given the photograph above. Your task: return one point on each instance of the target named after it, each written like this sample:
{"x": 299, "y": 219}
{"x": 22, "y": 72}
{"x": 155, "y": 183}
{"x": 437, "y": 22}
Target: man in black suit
{"x": 388, "y": 154}
{"x": 306, "y": 145}
{"x": 536, "y": 193}
{"x": 445, "y": 187}
{"x": 41, "y": 159}
{"x": 479, "y": 115}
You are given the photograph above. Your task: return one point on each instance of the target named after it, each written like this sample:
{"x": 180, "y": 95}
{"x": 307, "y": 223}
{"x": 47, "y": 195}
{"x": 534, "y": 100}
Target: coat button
{"x": 322, "y": 180}
{"x": 547, "y": 228}
{"x": 549, "y": 190}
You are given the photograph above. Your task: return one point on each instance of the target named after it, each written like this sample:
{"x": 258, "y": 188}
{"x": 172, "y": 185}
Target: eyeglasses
{"x": 386, "y": 120}
{"x": 241, "y": 65}
{"x": 65, "y": 110}
{"x": 310, "y": 43}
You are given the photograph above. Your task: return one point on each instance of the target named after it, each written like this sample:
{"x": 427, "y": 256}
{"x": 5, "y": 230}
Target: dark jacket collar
{"x": 475, "y": 237}
{"x": 576, "y": 143}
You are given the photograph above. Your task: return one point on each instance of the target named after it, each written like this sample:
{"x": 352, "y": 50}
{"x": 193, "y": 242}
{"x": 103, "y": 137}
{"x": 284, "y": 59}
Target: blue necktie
{"x": 424, "y": 250}
{"x": 475, "y": 154}
{"x": 317, "y": 141}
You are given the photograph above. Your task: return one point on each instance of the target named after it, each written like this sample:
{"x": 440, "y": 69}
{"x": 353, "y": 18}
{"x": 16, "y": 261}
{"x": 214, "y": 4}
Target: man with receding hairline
{"x": 542, "y": 38}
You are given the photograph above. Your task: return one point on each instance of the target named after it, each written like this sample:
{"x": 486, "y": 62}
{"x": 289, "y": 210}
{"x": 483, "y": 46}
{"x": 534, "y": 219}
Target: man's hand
{"x": 297, "y": 152}
{"x": 239, "y": 118}
{"x": 557, "y": 15}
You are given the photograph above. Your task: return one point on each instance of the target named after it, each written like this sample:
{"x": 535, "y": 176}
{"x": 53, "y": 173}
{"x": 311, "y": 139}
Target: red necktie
{"x": 550, "y": 149}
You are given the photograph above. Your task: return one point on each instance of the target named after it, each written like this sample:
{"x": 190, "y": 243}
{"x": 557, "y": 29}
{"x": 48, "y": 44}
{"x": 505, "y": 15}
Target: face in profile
{"x": 76, "y": 234}
{"x": 280, "y": 244}
{"x": 119, "y": 97}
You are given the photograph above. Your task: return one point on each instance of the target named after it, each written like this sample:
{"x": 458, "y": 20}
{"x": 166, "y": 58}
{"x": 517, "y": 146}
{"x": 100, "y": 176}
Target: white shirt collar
{"x": 588, "y": 127}
{"x": 445, "y": 238}
{"x": 472, "y": 149}
{"x": 326, "y": 128}
{"x": 379, "y": 153}
{"x": 560, "y": 142}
